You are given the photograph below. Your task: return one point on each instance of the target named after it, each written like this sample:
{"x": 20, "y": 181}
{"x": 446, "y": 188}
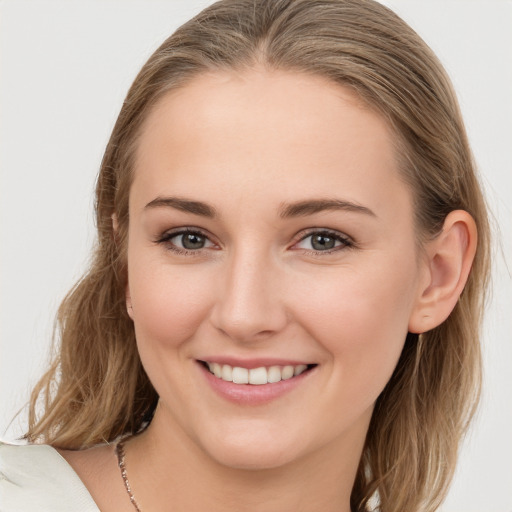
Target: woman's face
{"x": 269, "y": 228}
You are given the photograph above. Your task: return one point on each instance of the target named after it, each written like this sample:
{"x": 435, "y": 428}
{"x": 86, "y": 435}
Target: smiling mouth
{"x": 256, "y": 376}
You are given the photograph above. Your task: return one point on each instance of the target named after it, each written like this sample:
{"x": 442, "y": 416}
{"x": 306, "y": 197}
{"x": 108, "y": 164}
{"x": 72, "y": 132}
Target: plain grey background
{"x": 65, "y": 67}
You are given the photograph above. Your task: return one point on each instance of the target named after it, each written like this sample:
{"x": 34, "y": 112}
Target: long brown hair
{"x": 96, "y": 388}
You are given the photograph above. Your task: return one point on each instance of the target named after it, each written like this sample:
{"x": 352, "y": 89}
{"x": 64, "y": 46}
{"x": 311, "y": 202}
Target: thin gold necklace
{"x": 119, "y": 449}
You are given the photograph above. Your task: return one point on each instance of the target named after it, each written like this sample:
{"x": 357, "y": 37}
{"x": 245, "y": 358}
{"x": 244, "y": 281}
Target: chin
{"x": 252, "y": 452}
{"x": 254, "y": 459}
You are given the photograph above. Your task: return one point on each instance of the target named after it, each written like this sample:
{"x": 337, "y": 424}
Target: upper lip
{"x": 253, "y": 362}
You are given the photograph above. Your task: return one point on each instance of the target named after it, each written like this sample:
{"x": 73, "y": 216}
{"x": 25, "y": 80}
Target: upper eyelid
{"x": 165, "y": 239}
{"x": 333, "y": 232}
{"x": 345, "y": 242}
{"x": 171, "y": 233}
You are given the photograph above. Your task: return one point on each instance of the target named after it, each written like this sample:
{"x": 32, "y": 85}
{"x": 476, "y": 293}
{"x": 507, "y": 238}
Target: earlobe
{"x": 449, "y": 259}
{"x": 115, "y": 227}
{"x": 115, "y": 222}
{"x": 129, "y": 307}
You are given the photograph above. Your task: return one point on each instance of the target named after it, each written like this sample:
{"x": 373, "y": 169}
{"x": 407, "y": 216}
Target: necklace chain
{"x": 119, "y": 449}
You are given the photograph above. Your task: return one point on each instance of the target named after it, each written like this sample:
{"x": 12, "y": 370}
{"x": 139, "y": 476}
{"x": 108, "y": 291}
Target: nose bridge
{"x": 249, "y": 304}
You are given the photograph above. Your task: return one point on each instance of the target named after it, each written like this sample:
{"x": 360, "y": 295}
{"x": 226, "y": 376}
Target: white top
{"x": 37, "y": 478}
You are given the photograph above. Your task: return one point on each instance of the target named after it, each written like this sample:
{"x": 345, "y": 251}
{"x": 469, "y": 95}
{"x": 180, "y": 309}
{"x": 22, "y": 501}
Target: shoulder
{"x": 37, "y": 477}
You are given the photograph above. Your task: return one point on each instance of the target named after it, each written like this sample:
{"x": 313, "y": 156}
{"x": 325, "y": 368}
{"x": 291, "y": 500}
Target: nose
{"x": 250, "y": 304}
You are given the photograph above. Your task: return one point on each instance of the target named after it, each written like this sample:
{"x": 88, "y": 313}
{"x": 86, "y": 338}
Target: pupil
{"x": 322, "y": 242}
{"x": 192, "y": 241}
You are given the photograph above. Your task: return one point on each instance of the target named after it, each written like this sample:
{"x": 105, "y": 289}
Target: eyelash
{"x": 165, "y": 239}
{"x": 345, "y": 241}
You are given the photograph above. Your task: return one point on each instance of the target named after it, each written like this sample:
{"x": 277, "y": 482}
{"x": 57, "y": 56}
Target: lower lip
{"x": 252, "y": 394}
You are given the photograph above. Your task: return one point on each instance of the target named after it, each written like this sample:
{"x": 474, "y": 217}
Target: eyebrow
{"x": 185, "y": 205}
{"x": 287, "y": 210}
{"x": 309, "y": 207}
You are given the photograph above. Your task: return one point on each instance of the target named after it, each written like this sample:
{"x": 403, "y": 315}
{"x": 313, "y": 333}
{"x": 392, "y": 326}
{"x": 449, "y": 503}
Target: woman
{"x": 284, "y": 305}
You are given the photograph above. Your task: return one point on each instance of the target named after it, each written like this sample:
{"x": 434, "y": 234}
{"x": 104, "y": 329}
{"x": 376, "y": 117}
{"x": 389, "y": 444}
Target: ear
{"x": 129, "y": 309}
{"x": 448, "y": 262}
{"x": 115, "y": 222}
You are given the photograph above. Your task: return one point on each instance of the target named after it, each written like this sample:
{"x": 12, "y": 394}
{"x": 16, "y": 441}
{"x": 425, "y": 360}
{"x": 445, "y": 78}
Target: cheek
{"x": 360, "y": 318}
{"x": 168, "y": 303}
{"x": 363, "y": 302}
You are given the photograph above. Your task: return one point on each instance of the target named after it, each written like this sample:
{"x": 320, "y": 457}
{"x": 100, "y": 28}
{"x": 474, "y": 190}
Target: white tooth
{"x": 210, "y": 366}
{"x": 240, "y": 375}
{"x": 217, "y": 370}
{"x": 287, "y": 372}
{"x": 274, "y": 374}
{"x": 258, "y": 376}
{"x": 299, "y": 369}
{"x": 227, "y": 373}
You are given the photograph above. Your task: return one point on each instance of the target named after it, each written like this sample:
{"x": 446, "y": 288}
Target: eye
{"x": 185, "y": 241}
{"x": 189, "y": 241}
{"x": 323, "y": 241}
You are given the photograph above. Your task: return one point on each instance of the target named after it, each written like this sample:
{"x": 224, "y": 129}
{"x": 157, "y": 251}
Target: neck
{"x": 166, "y": 467}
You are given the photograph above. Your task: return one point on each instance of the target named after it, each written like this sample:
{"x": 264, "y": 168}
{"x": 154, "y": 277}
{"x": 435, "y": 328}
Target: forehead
{"x": 266, "y": 132}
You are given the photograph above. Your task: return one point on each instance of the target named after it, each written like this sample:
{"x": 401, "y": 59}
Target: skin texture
{"x": 248, "y": 145}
